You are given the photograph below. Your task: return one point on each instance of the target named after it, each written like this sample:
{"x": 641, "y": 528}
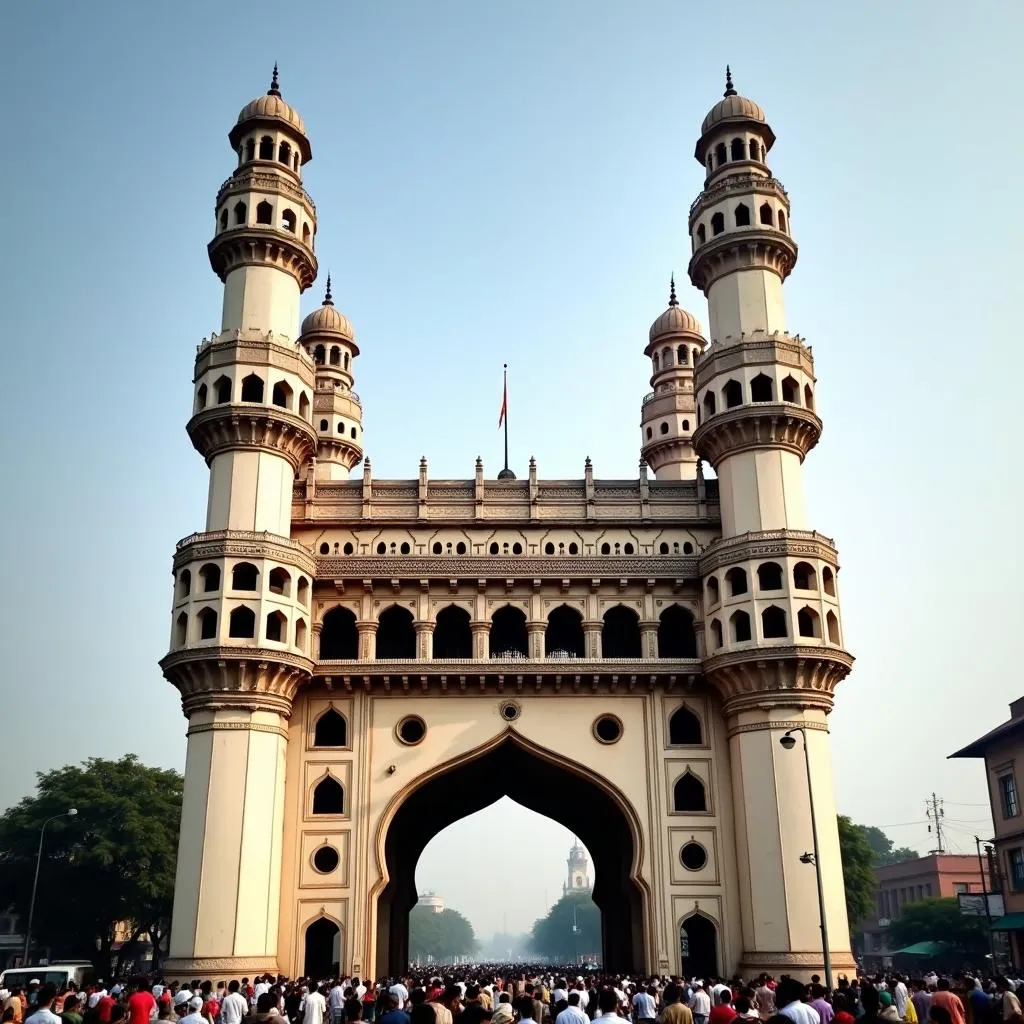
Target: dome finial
{"x": 729, "y": 89}
{"x": 672, "y": 300}
{"x": 275, "y": 89}
{"x": 328, "y": 301}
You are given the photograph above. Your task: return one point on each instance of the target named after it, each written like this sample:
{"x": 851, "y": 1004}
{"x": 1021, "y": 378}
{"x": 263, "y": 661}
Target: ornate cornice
{"x": 186, "y": 968}
{"x": 772, "y": 724}
{"x": 754, "y": 426}
{"x": 735, "y": 186}
{"x": 231, "y": 348}
{"x": 781, "y": 959}
{"x": 331, "y": 448}
{"x": 267, "y": 178}
{"x": 668, "y": 450}
{"x": 790, "y": 675}
{"x": 244, "y": 544}
{"x": 756, "y": 247}
{"x": 767, "y": 544}
{"x": 262, "y": 245}
{"x": 224, "y": 428}
{"x": 276, "y": 730}
{"x": 755, "y": 349}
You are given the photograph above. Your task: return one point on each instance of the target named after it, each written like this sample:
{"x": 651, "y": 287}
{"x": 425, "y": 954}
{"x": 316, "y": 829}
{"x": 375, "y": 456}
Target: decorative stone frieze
{"x": 243, "y": 544}
{"x": 262, "y": 245}
{"x": 745, "y": 248}
{"x": 757, "y": 426}
{"x": 768, "y": 544}
{"x": 255, "y": 349}
{"x": 231, "y": 427}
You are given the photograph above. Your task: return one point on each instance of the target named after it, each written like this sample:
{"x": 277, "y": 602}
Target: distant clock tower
{"x": 578, "y": 879}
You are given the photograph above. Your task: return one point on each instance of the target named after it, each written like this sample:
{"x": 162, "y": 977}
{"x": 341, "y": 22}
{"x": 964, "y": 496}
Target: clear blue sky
{"x": 510, "y": 181}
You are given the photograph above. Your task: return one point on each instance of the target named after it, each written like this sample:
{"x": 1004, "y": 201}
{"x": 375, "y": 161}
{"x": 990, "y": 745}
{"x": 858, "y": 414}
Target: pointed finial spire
{"x": 275, "y": 89}
{"x": 729, "y": 89}
{"x": 672, "y": 300}
{"x": 328, "y": 301}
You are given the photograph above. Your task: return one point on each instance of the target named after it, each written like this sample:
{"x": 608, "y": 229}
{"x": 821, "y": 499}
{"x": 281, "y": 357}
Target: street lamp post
{"x": 35, "y": 881}
{"x": 788, "y": 742}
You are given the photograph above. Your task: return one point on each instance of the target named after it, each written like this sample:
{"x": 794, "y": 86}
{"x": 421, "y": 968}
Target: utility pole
{"x": 935, "y": 813}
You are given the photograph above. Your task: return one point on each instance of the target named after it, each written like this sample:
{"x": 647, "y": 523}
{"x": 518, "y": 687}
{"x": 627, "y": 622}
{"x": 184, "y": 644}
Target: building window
{"x": 1015, "y": 857}
{"x": 961, "y": 887}
{"x": 1008, "y": 793}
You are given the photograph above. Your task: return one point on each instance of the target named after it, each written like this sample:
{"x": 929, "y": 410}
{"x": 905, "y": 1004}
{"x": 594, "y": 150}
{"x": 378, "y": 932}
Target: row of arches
{"x": 762, "y": 389}
{"x": 738, "y": 149}
{"x": 325, "y": 428}
{"x": 774, "y": 626}
{"x": 663, "y": 428}
{"x": 683, "y": 357}
{"x": 241, "y": 626}
{"x": 334, "y": 357}
{"x": 508, "y": 636}
{"x": 505, "y": 548}
{"x": 245, "y": 577}
{"x": 253, "y": 389}
{"x": 238, "y": 217}
{"x": 265, "y": 149}
{"x": 742, "y": 218}
{"x": 770, "y": 577}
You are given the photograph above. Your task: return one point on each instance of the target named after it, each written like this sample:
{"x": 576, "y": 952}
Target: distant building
{"x": 1002, "y": 749}
{"x": 432, "y": 901}
{"x": 910, "y": 881}
{"x": 578, "y": 879}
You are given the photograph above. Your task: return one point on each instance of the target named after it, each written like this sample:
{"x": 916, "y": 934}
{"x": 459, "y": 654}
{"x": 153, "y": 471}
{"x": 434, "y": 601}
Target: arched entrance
{"x": 698, "y": 947}
{"x": 323, "y": 950}
{"x": 541, "y": 782}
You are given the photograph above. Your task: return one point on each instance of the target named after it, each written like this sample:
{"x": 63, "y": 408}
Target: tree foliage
{"x": 113, "y": 862}
{"x": 553, "y": 936}
{"x": 940, "y": 920}
{"x": 883, "y": 850}
{"x": 440, "y": 935}
{"x": 858, "y": 874}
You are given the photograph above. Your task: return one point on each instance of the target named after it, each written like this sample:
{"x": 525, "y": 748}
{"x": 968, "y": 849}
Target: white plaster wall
{"x": 761, "y": 490}
{"x": 746, "y": 301}
{"x": 250, "y": 490}
{"x": 326, "y": 470}
{"x": 261, "y": 298}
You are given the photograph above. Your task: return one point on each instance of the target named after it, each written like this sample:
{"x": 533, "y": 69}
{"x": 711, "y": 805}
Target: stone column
{"x": 367, "y": 630}
{"x": 649, "y": 638}
{"x": 481, "y": 635}
{"x": 318, "y": 628}
{"x": 592, "y": 638}
{"x": 424, "y": 639}
{"x": 535, "y": 638}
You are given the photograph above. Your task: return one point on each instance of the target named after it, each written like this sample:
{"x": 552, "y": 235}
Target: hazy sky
{"x": 510, "y": 181}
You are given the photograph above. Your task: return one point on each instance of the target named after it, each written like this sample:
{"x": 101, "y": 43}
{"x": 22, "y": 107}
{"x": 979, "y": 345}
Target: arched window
{"x": 737, "y": 151}
{"x": 277, "y": 627}
{"x": 436, "y": 549}
{"x": 210, "y": 576}
{"x": 352, "y": 432}
{"x": 346, "y": 360}
{"x": 790, "y": 390}
{"x": 494, "y": 549}
{"x": 732, "y": 394}
{"x": 717, "y": 223}
{"x": 252, "y": 388}
{"x": 266, "y": 148}
{"x": 782, "y": 220}
{"x": 685, "y": 425}
{"x": 282, "y": 395}
{"x": 284, "y": 153}
{"x": 563, "y": 637}
{"x": 250, "y": 149}
{"x": 404, "y": 549}
{"x": 702, "y": 234}
{"x": 656, "y": 362}
{"x": 460, "y": 548}
{"x": 301, "y": 591}
{"x": 627, "y": 548}
{"x": 676, "y": 635}
{"x": 348, "y": 549}
{"x": 517, "y": 548}
{"x": 739, "y": 626}
{"x": 335, "y": 355}
{"x": 184, "y": 583}
{"x": 396, "y": 635}
{"x": 224, "y": 219}
{"x": 288, "y": 220}
{"x": 305, "y": 233}
{"x": 508, "y": 634}
{"x": 761, "y": 388}
{"x": 832, "y": 624}
{"x": 742, "y": 213}
{"x": 240, "y": 212}
{"x": 769, "y": 576}
{"x": 606, "y": 548}
{"x": 300, "y": 635}
{"x": 325, "y": 549}
{"x": 278, "y": 580}
{"x": 664, "y": 428}
{"x": 295, "y": 162}
{"x": 207, "y": 624}
{"x": 452, "y": 636}
{"x": 684, "y": 728}
{"x": 828, "y": 581}
{"x": 222, "y": 390}
{"x": 620, "y": 633}
{"x": 328, "y": 796}
{"x": 244, "y": 576}
{"x": 808, "y": 622}
{"x": 242, "y": 623}
{"x": 765, "y": 214}
{"x": 324, "y": 425}
{"x": 650, "y": 433}
{"x": 318, "y": 355}
{"x": 573, "y": 548}
{"x": 201, "y": 396}
{"x": 737, "y": 580}
{"x": 666, "y": 358}
{"x": 688, "y": 794}
{"x": 808, "y": 397}
{"x": 716, "y": 635}
{"x": 304, "y": 405}
{"x": 721, "y": 154}
{"x": 698, "y": 943}
{"x": 773, "y": 623}
{"x": 709, "y": 404}
{"x": 323, "y": 949}
{"x": 663, "y": 548}
{"x": 341, "y": 430}
{"x": 804, "y": 576}
{"x": 755, "y": 150}
{"x": 264, "y": 213}
{"x": 549, "y": 548}
{"x": 712, "y": 590}
{"x": 331, "y": 730}
{"x": 681, "y": 355}
{"x": 687, "y": 546}
{"x": 339, "y": 639}
{"x": 180, "y": 629}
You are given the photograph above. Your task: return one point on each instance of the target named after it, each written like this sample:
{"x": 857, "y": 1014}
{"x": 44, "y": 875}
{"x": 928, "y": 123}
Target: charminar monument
{"x": 364, "y": 661}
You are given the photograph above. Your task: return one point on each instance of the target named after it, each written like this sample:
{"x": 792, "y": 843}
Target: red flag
{"x": 504, "y": 401}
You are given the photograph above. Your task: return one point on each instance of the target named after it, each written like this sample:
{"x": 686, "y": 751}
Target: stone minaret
{"x": 669, "y": 416}
{"x": 240, "y": 622}
{"x": 771, "y": 609}
{"x": 578, "y": 879}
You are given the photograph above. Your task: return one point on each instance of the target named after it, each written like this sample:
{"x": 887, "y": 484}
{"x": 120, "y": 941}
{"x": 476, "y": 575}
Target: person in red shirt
{"x": 722, "y": 1012}
{"x": 105, "y": 1007}
{"x": 141, "y": 1004}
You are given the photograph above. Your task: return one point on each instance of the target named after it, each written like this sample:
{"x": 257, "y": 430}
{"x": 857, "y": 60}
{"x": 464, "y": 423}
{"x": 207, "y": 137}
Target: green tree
{"x": 554, "y": 937}
{"x": 940, "y": 920}
{"x": 440, "y": 935}
{"x": 858, "y": 874}
{"x": 883, "y": 850}
{"x": 114, "y": 862}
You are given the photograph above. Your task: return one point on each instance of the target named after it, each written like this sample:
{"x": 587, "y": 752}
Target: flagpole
{"x": 505, "y": 392}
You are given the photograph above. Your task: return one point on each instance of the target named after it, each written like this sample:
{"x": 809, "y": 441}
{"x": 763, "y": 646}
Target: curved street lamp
{"x": 788, "y": 742}
{"x": 70, "y": 813}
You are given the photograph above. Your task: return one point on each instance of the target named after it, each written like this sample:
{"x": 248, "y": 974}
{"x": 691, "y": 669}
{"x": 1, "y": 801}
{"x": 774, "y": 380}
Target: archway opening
{"x": 396, "y": 634}
{"x": 323, "y": 949}
{"x": 453, "y": 637}
{"x": 563, "y": 637}
{"x": 535, "y": 780}
{"x": 698, "y": 947}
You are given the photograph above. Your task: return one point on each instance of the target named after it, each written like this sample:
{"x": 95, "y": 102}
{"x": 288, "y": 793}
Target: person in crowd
{"x": 572, "y": 1014}
{"x": 944, "y": 998}
{"x": 700, "y": 1003}
{"x": 43, "y": 1013}
{"x": 315, "y": 1009}
{"x": 72, "y": 1011}
{"x": 818, "y": 1001}
{"x": 723, "y": 1011}
{"x": 645, "y": 1005}
{"x": 789, "y": 997}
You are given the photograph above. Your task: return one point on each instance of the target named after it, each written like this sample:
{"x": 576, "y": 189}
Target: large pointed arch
{"x": 539, "y": 779}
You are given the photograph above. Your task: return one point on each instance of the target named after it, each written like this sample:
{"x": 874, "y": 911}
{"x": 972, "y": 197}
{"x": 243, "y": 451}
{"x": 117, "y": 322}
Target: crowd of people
{"x": 487, "y": 994}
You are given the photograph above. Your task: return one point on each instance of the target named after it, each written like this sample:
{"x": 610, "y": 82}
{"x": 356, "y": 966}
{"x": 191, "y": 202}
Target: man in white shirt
{"x": 572, "y": 1014}
{"x": 262, "y": 985}
{"x": 700, "y": 1004}
{"x": 44, "y": 1002}
{"x": 644, "y": 1006}
{"x": 316, "y": 1006}
{"x": 900, "y": 996}
{"x": 560, "y": 992}
{"x": 584, "y": 995}
{"x": 336, "y": 1002}
{"x": 788, "y": 996}
{"x": 97, "y": 995}
{"x": 400, "y": 992}
{"x": 234, "y": 1007}
{"x": 195, "y": 1012}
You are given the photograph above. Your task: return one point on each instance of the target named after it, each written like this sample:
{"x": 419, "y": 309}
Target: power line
{"x": 935, "y": 814}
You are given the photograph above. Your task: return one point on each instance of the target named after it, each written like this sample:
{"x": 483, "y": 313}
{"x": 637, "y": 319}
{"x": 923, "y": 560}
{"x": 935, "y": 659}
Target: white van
{"x": 59, "y": 974}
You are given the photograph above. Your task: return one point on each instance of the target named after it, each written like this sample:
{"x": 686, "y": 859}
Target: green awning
{"x": 1009, "y": 923}
{"x": 923, "y": 949}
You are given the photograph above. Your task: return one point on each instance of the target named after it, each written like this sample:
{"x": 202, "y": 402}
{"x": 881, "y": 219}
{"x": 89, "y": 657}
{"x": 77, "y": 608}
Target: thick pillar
{"x": 592, "y": 638}
{"x": 367, "y": 630}
{"x": 535, "y": 638}
{"x": 481, "y": 635}
{"x": 424, "y": 639}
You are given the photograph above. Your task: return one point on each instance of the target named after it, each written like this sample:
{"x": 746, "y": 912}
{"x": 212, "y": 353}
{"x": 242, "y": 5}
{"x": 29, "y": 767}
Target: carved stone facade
{"x": 364, "y": 661}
